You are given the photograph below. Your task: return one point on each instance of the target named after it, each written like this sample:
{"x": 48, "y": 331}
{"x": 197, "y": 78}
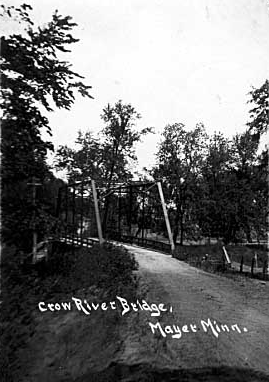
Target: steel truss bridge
{"x": 132, "y": 212}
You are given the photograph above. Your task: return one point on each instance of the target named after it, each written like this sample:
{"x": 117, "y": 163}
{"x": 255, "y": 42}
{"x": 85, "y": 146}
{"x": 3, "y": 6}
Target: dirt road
{"x": 109, "y": 347}
{"x": 194, "y": 296}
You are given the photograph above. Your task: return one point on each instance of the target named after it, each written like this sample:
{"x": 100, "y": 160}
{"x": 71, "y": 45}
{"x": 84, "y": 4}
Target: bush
{"x": 197, "y": 252}
{"x": 108, "y": 267}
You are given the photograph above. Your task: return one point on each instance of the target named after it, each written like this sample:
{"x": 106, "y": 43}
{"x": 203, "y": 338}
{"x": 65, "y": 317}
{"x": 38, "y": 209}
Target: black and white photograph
{"x": 134, "y": 191}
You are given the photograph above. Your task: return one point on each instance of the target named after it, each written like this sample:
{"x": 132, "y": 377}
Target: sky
{"x": 185, "y": 61}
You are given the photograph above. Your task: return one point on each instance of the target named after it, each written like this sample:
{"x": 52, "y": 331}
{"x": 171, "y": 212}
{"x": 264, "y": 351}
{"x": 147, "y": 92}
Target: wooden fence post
{"x": 252, "y": 266}
{"x": 241, "y": 264}
{"x": 256, "y": 259}
{"x": 264, "y": 270}
{"x": 226, "y": 256}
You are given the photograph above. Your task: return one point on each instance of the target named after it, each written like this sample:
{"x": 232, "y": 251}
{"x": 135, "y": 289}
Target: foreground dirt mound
{"x": 146, "y": 373}
{"x": 63, "y": 344}
{"x": 70, "y": 345}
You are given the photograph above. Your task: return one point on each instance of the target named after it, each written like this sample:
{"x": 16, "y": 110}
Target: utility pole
{"x": 34, "y": 184}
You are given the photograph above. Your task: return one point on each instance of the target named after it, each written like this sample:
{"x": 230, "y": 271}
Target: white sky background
{"x": 183, "y": 61}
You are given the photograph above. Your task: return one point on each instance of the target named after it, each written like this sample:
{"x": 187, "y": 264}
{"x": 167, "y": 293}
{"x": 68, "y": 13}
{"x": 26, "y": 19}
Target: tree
{"x": 179, "y": 162}
{"x": 260, "y": 181}
{"x": 107, "y": 158}
{"x": 233, "y": 201}
{"x": 33, "y": 77}
{"x": 213, "y": 204}
{"x": 83, "y": 162}
{"x": 259, "y": 115}
{"x": 249, "y": 182}
{"x": 120, "y": 138}
{"x": 258, "y": 125}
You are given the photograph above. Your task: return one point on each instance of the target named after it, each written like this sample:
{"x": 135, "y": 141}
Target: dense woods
{"x": 215, "y": 189}
{"x": 33, "y": 79}
{"x": 214, "y": 186}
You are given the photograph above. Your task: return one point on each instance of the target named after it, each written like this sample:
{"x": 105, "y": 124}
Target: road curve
{"x": 197, "y": 296}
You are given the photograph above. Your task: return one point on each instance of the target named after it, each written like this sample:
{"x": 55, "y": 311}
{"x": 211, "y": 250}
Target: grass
{"x": 109, "y": 269}
{"x": 237, "y": 251}
{"x": 215, "y": 252}
{"x": 195, "y": 255}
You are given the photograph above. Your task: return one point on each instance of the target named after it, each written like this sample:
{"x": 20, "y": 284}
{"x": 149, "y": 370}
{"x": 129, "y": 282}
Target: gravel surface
{"x": 194, "y": 296}
{"x": 110, "y": 347}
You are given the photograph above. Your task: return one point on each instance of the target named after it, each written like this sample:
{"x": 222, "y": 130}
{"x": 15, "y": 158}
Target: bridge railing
{"x": 140, "y": 241}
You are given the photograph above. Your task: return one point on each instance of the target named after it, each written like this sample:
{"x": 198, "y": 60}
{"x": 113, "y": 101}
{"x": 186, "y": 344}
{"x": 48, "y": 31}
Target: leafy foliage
{"x": 120, "y": 138}
{"x": 84, "y": 162}
{"x": 108, "y": 157}
{"x": 33, "y": 78}
{"x": 180, "y": 158}
{"x": 215, "y": 187}
{"x": 259, "y": 115}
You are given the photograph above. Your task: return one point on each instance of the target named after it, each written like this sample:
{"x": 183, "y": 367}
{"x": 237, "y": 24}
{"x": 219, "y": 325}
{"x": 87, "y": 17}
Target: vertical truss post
{"x": 143, "y": 213}
{"x": 59, "y": 202}
{"x": 34, "y": 184}
{"x": 66, "y": 211}
{"x": 130, "y": 210}
{"x": 81, "y": 213}
{"x": 166, "y": 217}
{"x": 119, "y": 213}
{"x": 97, "y": 215}
{"x": 56, "y": 232}
{"x": 73, "y": 215}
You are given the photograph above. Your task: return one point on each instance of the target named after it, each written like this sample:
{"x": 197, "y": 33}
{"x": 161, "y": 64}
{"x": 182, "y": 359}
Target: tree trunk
{"x": 181, "y": 229}
{"x": 248, "y": 234}
{"x": 176, "y": 230}
{"x": 175, "y": 233}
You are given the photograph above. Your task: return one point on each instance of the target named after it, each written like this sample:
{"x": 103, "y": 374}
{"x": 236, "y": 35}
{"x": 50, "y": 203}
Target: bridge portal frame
{"x": 78, "y": 189}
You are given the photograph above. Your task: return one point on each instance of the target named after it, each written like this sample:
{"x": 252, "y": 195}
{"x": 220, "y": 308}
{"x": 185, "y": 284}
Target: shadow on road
{"x": 143, "y": 373}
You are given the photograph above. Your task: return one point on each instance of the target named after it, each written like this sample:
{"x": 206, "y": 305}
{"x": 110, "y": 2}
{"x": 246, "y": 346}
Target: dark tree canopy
{"x": 108, "y": 157}
{"x": 34, "y": 78}
{"x": 215, "y": 187}
{"x": 259, "y": 114}
{"x": 120, "y": 138}
{"x": 180, "y": 158}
